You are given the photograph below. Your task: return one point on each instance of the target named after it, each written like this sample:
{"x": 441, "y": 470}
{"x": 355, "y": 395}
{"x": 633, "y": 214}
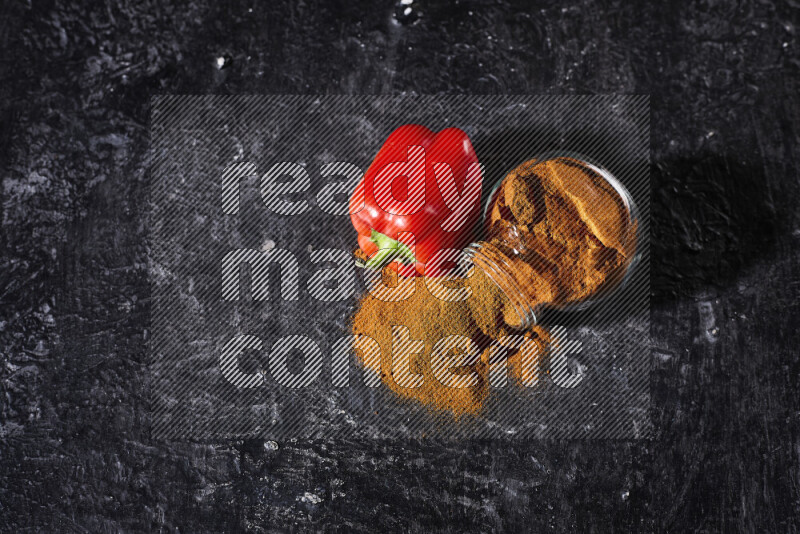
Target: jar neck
{"x": 499, "y": 269}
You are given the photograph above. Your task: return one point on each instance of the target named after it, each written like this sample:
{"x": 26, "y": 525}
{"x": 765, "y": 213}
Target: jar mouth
{"x": 634, "y": 221}
{"x": 495, "y": 265}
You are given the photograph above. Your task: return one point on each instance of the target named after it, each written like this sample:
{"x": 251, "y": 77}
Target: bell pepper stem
{"x": 390, "y": 250}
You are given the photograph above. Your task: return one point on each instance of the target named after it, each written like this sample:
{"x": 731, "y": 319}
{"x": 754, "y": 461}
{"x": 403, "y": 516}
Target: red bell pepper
{"x": 420, "y": 195}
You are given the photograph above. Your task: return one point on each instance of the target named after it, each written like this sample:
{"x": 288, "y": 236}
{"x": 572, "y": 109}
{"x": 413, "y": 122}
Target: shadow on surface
{"x": 710, "y": 216}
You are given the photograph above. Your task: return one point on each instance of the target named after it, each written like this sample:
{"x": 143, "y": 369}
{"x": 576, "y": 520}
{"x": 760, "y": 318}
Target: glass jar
{"x": 530, "y": 271}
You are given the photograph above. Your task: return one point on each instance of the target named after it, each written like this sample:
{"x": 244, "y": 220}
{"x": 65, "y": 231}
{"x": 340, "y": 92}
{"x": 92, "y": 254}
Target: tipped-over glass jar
{"x": 561, "y": 232}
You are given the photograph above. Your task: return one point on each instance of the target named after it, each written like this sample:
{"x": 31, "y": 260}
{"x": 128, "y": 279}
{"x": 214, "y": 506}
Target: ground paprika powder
{"x": 560, "y": 230}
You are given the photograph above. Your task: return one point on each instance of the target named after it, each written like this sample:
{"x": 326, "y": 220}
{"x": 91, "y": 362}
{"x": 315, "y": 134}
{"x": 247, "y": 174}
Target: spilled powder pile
{"x": 566, "y": 234}
{"x": 429, "y": 320}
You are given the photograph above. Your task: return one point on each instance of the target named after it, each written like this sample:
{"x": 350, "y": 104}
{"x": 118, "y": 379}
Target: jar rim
{"x": 634, "y": 219}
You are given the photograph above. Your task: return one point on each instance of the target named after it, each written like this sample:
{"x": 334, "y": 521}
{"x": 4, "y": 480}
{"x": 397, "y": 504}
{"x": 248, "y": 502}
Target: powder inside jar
{"x": 564, "y": 228}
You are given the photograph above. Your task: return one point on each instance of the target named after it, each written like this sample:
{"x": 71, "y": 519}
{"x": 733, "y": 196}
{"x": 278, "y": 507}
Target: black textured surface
{"x": 75, "y": 455}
